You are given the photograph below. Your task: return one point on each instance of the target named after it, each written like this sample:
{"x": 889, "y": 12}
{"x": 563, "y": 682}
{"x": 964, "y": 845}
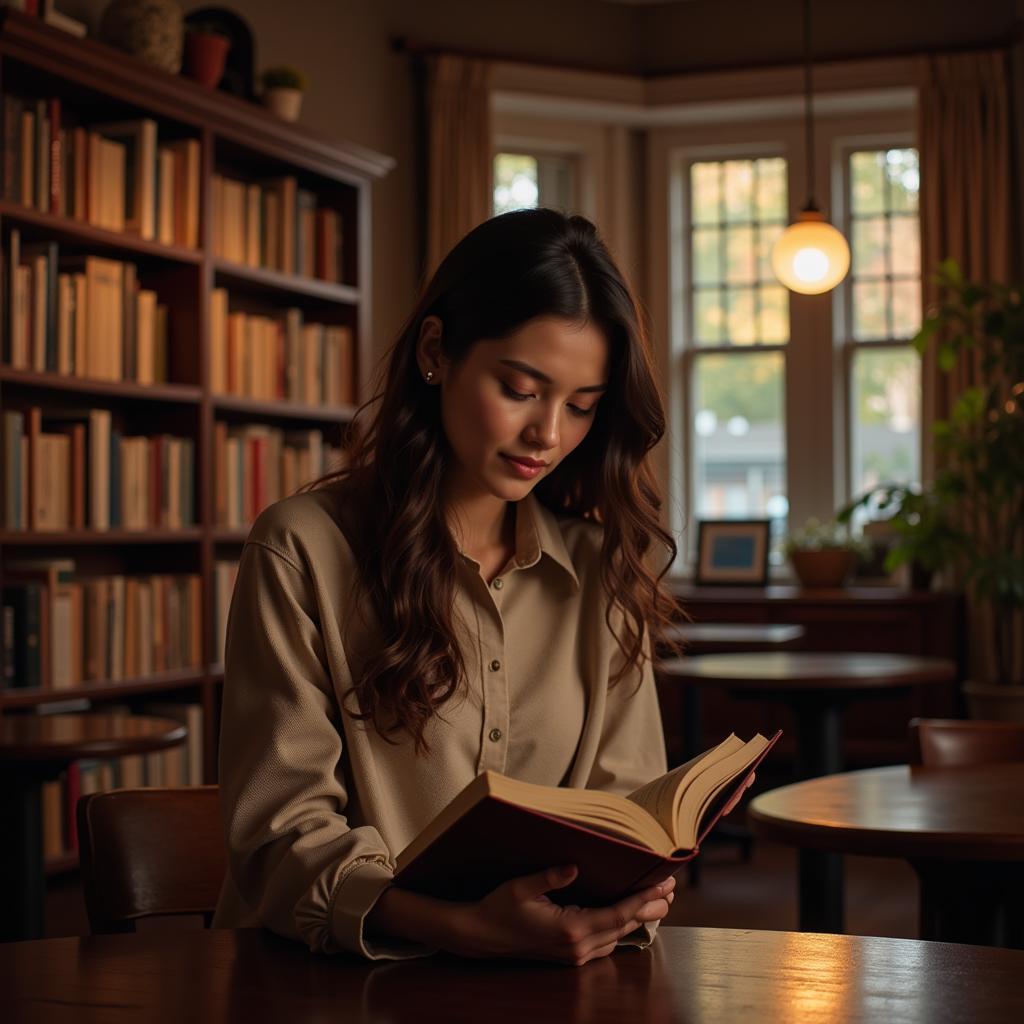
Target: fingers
{"x": 605, "y": 920}
{"x": 531, "y": 886}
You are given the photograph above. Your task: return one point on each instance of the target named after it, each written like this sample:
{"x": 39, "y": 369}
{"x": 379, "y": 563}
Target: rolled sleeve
{"x": 292, "y": 855}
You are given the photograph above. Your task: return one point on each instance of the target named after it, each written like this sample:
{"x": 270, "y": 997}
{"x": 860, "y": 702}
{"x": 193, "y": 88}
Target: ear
{"x": 429, "y": 356}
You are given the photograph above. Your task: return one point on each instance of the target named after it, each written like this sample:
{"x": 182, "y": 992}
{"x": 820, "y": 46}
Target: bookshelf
{"x": 299, "y": 185}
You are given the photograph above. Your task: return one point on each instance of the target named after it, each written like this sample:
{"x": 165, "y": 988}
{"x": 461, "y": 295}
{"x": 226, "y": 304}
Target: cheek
{"x": 574, "y": 433}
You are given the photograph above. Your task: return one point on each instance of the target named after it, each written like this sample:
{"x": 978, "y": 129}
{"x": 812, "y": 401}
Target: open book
{"x": 498, "y": 828}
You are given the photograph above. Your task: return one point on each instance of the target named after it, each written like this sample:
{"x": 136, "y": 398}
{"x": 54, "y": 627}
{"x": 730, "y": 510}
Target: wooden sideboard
{"x": 883, "y": 619}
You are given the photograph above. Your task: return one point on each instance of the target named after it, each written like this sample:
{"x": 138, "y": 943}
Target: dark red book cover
{"x": 495, "y": 841}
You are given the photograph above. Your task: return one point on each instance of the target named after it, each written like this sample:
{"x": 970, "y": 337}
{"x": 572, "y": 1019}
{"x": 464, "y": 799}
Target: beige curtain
{"x": 964, "y": 137}
{"x": 967, "y": 213}
{"x": 458, "y": 151}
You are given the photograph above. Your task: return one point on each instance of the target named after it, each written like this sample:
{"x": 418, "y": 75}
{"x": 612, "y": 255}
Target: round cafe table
{"x": 962, "y": 829}
{"x": 33, "y": 749}
{"x": 699, "y": 975}
{"x": 816, "y": 687}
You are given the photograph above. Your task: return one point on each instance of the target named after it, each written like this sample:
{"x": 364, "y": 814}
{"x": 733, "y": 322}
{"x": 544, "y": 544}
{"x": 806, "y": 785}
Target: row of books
{"x": 255, "y": 465}
{"x": 61, "y": 630}
{"x": 178, "y": 766}
{"x": 115, "y": 175}
{"x": 277, "y": 226}
{"x": 84, "y": 316}
{"x": 73, "y": 470}
{"x": 279, "y": 358}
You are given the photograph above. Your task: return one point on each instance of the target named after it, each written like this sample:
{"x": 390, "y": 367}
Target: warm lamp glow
{"x": 811, "y": 256}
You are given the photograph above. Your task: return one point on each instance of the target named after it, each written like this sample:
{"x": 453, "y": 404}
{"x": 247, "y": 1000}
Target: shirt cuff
{"x": 353, "y": 900}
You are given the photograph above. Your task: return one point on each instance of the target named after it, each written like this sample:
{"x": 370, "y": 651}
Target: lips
{"x": 523, "y": 461}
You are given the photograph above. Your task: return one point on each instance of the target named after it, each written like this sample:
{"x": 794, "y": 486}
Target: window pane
{"x": 771, "y": 189}
{"x": 774, "y": 314}
{"x": 705, "y": 193}
{"x": 868, "y": 245}
{"x": 869, "y": 321}
{"x": 709, "y": 317}
{"x": 906, "y": 245}
{"x": 886, "y": 415}
{"x": 739, "y": 455}
{"x": 901, "y": 169}
{"x": 707, "y": 255}
{"x": 866, "y": 183}
{"x": 767, "y": 237}
{"x": 739, "y": 190}
{"x": 741, "y": 316}
{"x": 739, "y": 247}
{"x": 515, "y": 182}
{"x": 906, "y": 308}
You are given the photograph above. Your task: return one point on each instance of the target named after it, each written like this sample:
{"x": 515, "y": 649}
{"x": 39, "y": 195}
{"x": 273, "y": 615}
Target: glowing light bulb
{"x": 811, "y": 256}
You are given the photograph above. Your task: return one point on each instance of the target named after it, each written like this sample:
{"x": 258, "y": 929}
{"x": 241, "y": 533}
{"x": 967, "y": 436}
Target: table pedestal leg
{"x": 22, "y": 882}
{"x": 980, "y": 903}
{"x": 819, "y": 752}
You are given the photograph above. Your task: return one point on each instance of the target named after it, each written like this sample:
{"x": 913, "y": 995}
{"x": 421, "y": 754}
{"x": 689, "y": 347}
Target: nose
{"x": 542, "y": 430}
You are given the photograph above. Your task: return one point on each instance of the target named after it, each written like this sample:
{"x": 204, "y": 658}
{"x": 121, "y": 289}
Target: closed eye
{"x": 522, "y": 396}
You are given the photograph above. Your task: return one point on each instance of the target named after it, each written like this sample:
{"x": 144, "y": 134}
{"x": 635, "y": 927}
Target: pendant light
{"x": 811, "y": 256}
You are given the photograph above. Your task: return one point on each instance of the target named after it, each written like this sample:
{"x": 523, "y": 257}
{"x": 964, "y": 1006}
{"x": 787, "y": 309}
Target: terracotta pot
{"x": 995, "y": 702}
{"x": 205, "y": 56}
{"x": 286, "y": 103}
{"x": 826, "y": 568}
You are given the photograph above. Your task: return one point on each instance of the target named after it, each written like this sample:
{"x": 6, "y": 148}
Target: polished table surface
{"x": 689, "y": 974}
{"x": 61, "y": 738}
{"x": 961, "y": 829}
{"x": 967, "y": 813}
{"x": 728, "y": 637}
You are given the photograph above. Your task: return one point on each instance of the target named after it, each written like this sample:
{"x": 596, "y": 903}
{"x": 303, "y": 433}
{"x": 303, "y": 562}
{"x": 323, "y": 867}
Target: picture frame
{"x": 732, "y": 552}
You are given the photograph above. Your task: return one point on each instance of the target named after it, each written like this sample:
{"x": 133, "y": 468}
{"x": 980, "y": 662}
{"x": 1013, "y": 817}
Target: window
{"x": 735, "y": 339}
{"x": 524, "y": 181}
{"x": 883, "y": 311}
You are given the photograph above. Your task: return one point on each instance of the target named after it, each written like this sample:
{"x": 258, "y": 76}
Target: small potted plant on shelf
{"x": 206, "y": 52}
{"x": 979, "y": 479}
{"x": 822, "y": 553}
{"x": 282, "y": 91}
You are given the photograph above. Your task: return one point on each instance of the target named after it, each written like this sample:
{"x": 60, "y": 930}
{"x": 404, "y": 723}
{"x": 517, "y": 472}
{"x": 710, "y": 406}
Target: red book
{"x": 499, "y": 828}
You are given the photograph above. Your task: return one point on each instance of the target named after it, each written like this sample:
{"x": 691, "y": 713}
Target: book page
{"x": 658, "y": 797}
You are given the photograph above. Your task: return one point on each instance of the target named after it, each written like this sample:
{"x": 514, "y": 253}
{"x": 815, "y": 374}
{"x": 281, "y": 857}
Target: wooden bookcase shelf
{"x": 96, "y": 84}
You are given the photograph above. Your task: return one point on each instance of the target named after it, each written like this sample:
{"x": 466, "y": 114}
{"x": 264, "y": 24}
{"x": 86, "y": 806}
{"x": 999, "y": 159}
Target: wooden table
{"x": 816, "y": 688}
{"x": 34, "y": 748}
{"x": 689, "y": 974}
{"x": 962, "y": 829}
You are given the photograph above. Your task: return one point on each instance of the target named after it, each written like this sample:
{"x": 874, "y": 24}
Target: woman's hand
{"x": 518, "y": 920}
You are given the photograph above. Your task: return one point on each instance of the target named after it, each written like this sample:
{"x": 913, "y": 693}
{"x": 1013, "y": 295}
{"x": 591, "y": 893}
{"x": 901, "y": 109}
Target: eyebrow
{"x": 532, "y": 371}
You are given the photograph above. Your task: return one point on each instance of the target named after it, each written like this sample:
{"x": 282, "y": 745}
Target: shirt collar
{"x": 538, "y": 533}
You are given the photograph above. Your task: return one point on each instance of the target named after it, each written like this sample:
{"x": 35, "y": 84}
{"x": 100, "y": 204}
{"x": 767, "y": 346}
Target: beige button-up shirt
{"x": 316, "y": 805}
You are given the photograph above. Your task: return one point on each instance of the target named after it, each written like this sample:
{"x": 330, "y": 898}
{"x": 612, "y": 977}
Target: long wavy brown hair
{"x": 506, "y": 272}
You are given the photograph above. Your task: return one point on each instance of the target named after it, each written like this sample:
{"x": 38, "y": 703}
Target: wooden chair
{"x": 147, "y": 852}
{"x": 946, "y": 742}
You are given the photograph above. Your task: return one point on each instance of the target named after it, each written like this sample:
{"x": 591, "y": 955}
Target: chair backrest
{"x": 154, "y": 851}
{"x": 945, "y": 742}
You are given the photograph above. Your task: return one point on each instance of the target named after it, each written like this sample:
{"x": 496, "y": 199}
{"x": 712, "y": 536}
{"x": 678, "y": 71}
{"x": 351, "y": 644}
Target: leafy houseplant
{"x": 822, "y": 554}
{"x": 979, "y": 483}
{"x": 282, "y": 91}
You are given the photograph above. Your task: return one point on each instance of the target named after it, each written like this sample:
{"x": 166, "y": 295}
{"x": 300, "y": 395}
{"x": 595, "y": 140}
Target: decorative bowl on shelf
{"x": 151, "y": 30}
{"x": 823, "y": 568}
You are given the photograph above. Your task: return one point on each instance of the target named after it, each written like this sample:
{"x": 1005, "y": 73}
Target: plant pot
{"x": 824, "y": 568}
{"x": 205, "y": 56}
{"x": 994, "y": 701}
{"x": 286, "y": 103}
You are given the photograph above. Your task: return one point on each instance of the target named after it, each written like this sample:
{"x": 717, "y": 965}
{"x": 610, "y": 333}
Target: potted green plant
{"x": 282, "y": 91}
{"x": 916, "y": 528}
{"x": 206, "y": 52}
{"x": 822, "y": 553}
{"x": 980, "y": 477}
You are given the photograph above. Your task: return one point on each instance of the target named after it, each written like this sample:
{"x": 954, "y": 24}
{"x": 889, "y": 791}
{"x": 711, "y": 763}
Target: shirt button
{"x": 498, "y": 583}
{"x": 495, "y": 735}
{"x": 495, "y": 665}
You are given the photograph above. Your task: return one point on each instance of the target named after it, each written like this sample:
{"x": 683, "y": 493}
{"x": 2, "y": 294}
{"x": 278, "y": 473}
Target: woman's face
{"x": 514, "y": 409}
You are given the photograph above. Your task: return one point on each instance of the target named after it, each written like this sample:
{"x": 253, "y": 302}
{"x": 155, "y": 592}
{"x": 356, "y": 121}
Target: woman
{"x": 470, "y": 592}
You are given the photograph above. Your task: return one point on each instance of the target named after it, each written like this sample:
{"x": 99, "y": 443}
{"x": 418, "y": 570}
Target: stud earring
{"x": 429, "y": 376}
